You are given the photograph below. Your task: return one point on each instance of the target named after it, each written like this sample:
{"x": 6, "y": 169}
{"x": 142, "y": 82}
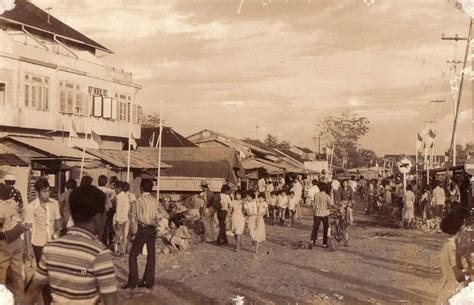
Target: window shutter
{"x": 107, "y": 107}
{"x": 98, "y": 106}
{"x": 114, "y": 109}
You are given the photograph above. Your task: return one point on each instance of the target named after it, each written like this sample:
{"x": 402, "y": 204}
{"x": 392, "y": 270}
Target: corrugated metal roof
{"x": 49, "y": 146}
{"x": 32, "y": 16}
{"x": 270, "y": 167}
{"x": 11, "y": 160}
{"x": 118, "y": 158}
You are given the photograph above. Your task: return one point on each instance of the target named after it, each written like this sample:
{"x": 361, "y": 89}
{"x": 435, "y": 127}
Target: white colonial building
{"x": 51, "y": 78}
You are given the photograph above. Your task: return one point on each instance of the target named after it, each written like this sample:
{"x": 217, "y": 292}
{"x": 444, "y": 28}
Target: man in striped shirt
{"x": 148, "y": 213}
{"x": 77, "y": 266}
{"x": 321, "y": 203}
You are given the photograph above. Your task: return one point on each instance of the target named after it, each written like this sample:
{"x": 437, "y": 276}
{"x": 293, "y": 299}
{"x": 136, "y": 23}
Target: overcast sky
{"x": 284, "y": 64}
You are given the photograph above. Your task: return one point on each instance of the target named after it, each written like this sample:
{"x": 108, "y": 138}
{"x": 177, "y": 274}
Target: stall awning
{"x": 118, "y": 158}
{"x": 49, "y": 147}
{"x": 270, "y": 167}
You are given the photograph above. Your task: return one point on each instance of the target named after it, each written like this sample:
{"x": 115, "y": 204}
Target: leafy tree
{"x": 344, "y": 131}
{"x": 283, "y": 145}
{"x": 271, "y": 141}
{"x": 150, "y": 120}
{"x": 462, "y": 152}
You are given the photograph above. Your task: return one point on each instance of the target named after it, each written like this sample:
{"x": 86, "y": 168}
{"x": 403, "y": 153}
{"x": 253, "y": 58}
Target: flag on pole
{"x": 151, "y": 141}
{"x": 419, "y": 142}
{"x": 431, "y": 134}
{"x": 133, "y": 142}
{"x": 96, "y": 138}
{"x": 73, "y": 130}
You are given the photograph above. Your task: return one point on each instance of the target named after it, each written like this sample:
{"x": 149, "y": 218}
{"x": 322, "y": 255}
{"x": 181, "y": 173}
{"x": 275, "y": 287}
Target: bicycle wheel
{"x": 332, "y": 242}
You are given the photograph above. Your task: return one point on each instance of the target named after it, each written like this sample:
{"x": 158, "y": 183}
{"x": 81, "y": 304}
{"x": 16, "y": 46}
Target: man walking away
{"x": 225, "y": 202}
{"x": 439, "y": 199}
{"x": 63, "y": 200}
{"x": 321, "y": 203}
{"x": 78, "y": 267}
{"x": 147, "y": 207}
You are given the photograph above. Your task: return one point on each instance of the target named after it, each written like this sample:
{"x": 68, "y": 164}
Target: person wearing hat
{"x": 208, "y": 214}
{"x": 14, "y": 193}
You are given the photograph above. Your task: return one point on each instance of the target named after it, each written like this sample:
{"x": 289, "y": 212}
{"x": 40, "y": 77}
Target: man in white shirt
{"x": 225, "y": 203}
{"x": 335, "y": 186}
{"x": 43, "y": 218}
{"x": 353, "y": 184}
{"x": 312, "y": 190}
{"x": 261, "y": 186}
{"x": 439, "y": 199}
{"x": 121, "y": 218}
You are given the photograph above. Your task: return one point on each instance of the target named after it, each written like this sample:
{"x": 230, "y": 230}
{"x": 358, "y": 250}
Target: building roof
{"x": 11, "y": 160}
{"x": 204, "y": 162}
{"x": 170, "y": 138}
{"x": 232, "y": 139}
{"x": 119, "y": 159}
{"x": 48, "y": 147}
{"x": 305, "y": 150}
{"x": 27, "y": 14}
{"x": 270, "y": 167}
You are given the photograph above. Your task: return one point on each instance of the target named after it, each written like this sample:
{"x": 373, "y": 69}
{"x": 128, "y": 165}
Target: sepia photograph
{"x": 236, "y": 152}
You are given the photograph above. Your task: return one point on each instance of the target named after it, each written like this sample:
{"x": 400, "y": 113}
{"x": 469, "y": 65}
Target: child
{"x": 282, "y": 205}
{"x": 273, "y": 207}
{"x": 292, "y": 202}
{"x": 256, "y": 224}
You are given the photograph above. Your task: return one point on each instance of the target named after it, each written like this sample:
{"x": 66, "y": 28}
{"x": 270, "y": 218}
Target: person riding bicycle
{"x": 346, "y": 199}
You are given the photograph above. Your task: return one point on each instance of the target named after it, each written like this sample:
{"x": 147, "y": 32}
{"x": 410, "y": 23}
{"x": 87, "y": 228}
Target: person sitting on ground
{"x": 78, "y": 250}
{"x": 453, "y": 277}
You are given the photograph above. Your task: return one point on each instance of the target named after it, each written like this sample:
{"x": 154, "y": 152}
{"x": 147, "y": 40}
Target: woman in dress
{"x": 409, "y": 206}
{"x": 255, "y": 211}
{"x": 238, "y": 219}
{"x": 453, "y": 278}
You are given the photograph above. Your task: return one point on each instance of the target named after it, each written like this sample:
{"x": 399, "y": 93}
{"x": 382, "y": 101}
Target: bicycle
{"x": 338, "y": 224}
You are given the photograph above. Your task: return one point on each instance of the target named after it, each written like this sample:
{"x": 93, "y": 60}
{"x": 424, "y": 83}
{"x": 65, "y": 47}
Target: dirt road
{"x": 381, "y": 265}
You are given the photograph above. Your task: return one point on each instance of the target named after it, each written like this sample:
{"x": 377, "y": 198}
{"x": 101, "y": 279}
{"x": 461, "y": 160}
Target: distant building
{"x": 170, "y": 138}
{"x": 52, "y": 78}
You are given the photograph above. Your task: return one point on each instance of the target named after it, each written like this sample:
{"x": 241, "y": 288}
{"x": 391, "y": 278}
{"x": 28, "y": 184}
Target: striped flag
{"x": 96, "y": 137}
{"x": 133, "y": 142}
{"x": 151, "y": 141}
{"x": 73, "y": 130}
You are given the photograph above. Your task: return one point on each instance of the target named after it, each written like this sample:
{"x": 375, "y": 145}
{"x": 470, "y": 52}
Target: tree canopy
{"x": 343, "y": 133}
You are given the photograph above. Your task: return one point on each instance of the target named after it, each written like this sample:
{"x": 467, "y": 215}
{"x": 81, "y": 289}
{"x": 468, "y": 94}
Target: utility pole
{"x": 48, "y": 9}
{"x": 455, "y": 62}
{"x": 459, "y": 93}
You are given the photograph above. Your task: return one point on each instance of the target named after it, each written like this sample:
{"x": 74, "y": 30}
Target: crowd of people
{"x": 72, "y": 241}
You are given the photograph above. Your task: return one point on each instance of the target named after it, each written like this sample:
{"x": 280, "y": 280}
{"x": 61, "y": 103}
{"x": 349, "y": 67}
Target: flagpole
{"x": 129, "y": 139}
{"x": 159, "y": 153}
{"x": 85, "y": 138}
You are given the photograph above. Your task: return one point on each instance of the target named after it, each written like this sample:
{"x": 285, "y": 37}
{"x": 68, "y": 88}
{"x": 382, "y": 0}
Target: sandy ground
{"x": 382, "y": 265}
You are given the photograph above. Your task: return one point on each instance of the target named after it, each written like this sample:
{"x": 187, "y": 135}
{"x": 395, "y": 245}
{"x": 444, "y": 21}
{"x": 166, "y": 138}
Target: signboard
{"x": 404, "y": 165}
{"x": 316, "y": 166}
{"x": 469, "y": 166}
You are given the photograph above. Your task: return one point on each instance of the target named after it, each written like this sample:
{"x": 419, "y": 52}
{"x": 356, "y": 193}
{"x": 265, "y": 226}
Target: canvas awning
{"x": 268, "y": 166}
{"x": 119, "y": 158}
